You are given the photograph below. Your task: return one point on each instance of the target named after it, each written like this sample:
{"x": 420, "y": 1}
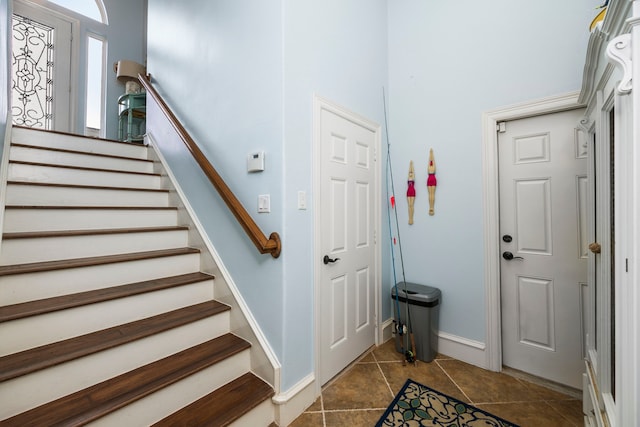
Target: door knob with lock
{"x": 595, "y": 247}
{"x": 326, "y": 260}
{"x": 509, "y": 256}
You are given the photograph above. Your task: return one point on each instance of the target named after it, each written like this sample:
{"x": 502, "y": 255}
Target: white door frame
{"x": 320, "y": 104}
{"x": 491, "y": 220}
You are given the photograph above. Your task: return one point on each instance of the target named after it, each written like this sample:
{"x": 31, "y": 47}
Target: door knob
{"x": 327, "y": 260}
{"x": 506, "y": 238}
{"x": 509, "y": 256}
{"x": 595, "y": 247}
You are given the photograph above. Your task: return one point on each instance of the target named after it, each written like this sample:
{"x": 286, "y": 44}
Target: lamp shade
{"x": 128, "y": 70}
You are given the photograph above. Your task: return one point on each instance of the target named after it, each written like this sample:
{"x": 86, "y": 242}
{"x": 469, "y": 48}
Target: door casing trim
{"x": 491, "y": 205}
{"x": 320, "y": 104}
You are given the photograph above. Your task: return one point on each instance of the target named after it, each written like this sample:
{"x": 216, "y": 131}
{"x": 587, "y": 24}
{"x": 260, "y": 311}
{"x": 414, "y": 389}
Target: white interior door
{"x": 348, "y": 277}
{"x": 543, "y": 226}
{"x": 41, "y": 68}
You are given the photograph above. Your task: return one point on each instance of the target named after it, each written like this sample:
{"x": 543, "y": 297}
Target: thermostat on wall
{"x": 255, "y": 162}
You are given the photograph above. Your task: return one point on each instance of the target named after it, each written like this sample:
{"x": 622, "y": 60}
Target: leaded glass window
{"x": 32, "y": 76}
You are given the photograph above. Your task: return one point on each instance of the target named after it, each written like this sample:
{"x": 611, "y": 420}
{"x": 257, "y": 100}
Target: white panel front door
{"x": 41, "y": 68}
{"x": 543, "y": 202}
{"x": 348, "y": 276}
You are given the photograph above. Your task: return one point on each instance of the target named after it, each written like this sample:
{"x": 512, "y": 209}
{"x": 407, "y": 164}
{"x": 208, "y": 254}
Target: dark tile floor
{"x": 360, "y": 395}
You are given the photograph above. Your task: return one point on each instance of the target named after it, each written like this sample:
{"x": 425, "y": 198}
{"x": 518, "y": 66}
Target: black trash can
{"x": 424, "y": 304}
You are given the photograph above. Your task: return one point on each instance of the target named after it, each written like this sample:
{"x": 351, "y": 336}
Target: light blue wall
{"x": 449, "y": 62}
{"x": 335, "y": 49}
{"x": 219, "y": 66}
{"x": 126, "y": 38}
{"x": 241, "y": 75}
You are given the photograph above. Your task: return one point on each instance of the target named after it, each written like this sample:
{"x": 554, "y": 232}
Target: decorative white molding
{"x": 293, "y": 402}
{"x": 592, "y": 62}
{"x": 619, "y": 51}
{"x": 490, "y": 119}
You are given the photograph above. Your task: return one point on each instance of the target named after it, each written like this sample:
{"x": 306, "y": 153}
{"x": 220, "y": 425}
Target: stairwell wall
{"x": 242, "y": 76}
{"x": 218, "y": 64}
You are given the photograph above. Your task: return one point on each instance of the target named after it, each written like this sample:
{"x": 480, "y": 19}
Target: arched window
{"x": 91, "y": 9}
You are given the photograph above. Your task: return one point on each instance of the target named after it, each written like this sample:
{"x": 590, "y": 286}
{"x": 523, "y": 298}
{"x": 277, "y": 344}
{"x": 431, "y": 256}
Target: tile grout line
{"x": 383, "y": 375}
{"x": 454, "y": 383}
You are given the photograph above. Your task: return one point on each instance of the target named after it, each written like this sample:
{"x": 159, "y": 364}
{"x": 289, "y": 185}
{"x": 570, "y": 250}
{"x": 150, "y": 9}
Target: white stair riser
{"x": 260, "y": 416}
{"x": 19, "y": 288}
{"x": 77, "y": 143}
{"x": 30, "y": 195}
{"x": 21, "y": 220}
{"x": 27, "y": 392}
{"x": 164, "y": 402}
{"x": 23, "y": 334}
{"x": 28, "y": 250}
{"x": 38, "y": 155}
{"x": 70, "y": 176}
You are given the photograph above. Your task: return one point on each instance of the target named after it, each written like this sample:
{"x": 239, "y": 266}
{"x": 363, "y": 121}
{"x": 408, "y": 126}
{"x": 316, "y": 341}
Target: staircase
{"x": 106, "y": 317}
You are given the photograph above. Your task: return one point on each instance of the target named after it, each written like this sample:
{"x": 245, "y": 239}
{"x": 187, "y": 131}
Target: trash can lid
{"x": 416, "y": 294}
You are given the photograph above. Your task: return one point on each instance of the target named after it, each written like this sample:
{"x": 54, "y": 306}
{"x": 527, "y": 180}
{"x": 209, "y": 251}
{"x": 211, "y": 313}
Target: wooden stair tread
{"x": 64, "y": 150}
{"x": 96, "y": 401}
{"x": 86, "y": 187}
{"x": 24, "y": 362}
{"x": 83, "y": 168}
{"x": 224, "y": 405}
{"x": 49, "y": 305}
{"x": 36, "y": 267}
{"x": 89, "y": 232}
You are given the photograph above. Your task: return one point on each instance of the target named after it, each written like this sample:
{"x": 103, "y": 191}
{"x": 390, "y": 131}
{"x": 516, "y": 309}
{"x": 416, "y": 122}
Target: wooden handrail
{"x": 272, "y": 245}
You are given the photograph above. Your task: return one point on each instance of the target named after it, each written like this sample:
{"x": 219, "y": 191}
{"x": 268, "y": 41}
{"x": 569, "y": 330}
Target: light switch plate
{"x": 302, "y": 200}
{"x": 264, "y": 203}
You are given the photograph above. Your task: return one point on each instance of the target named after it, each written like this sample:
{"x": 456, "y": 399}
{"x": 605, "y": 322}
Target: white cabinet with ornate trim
{"x": 612, "y": 349}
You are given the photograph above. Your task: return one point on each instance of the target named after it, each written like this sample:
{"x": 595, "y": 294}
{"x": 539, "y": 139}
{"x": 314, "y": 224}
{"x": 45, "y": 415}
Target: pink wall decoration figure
{"x": 411, "y": 191}
{"x": 431, "y": 182}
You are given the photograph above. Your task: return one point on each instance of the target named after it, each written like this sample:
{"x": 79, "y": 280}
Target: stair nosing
{"x": 48, "y": 355}
{"x": 89, "y": 232}
{"x": 86, "y": 187}
{"x": 36, "y": 267}
{"x": 259, "y": 391}
{"x": 63, "y": 302}
{"x": 96, "y": 401}
{"x": 83, "y": 168}
{"x": 86, "y": 153}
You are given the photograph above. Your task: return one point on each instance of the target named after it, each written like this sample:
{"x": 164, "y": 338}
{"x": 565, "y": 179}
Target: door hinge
{"x": 626, "y": 264}
{"x": 375, "y": 237}
{"x": 501, "y": 127}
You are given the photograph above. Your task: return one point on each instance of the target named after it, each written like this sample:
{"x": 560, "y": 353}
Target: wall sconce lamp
{"x": 127, "y": 73}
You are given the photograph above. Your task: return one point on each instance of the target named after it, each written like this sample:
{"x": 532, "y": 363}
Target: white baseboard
{"x": 387, "y": 331}
{"x": 462, "y": 349}
{"x": 292, "y": 403}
